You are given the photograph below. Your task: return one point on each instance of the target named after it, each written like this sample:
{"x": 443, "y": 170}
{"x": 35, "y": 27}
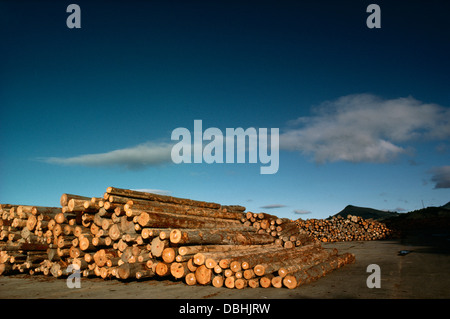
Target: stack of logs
{"x": 131, "y": 235}
{"x": 338, "y": 228}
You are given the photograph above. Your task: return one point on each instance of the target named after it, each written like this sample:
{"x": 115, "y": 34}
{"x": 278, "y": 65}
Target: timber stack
{"x": 132, "y": 235}
{"x": 338, "y": 228}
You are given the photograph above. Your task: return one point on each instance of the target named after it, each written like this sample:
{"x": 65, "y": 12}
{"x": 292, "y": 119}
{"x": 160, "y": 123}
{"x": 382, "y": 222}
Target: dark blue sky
{"x": 137, "y": 70}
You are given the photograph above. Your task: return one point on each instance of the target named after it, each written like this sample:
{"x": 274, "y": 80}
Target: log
{"x": 186, "y": 250}
{"x": 230, "y": 282}
{"x": 127, "y": 270}
{"x": 301, "y": 277}
{"x": 264, "y": 259}
{"x": 191, "y": 266}
{"x": 233, "y": 208}
{"x": 210, "y": 263}
{"x": 218, "y": 281}
{"x": 277, "y": 282}
{"x": 249, "y": 274}
{"x": 169, "y": 254}
{"x": 133, "y": 207}
{"x": 162, "y": 269}
{"x": 253, "y": 283}
{"x": 304, "y": 262}
{"x": 218, "y": 236}
{"x": 153, "y": 232}
{"x": 85, "y": 243}
{"x": 218, "y": 269}
{"x": 61, "y": 217}
{"x": 159, "y": 198}
{"x": 179, "y": 270}
{"x": 158, "y": 246}
{"x": 23, "y": 246}
{"x": 203, "y": 275}
{"x": 65, "y": 198}
{"x": 190, "y": 279}
{"x": 240, "y": 283}
{"x": 147, "y": 273}
{"x": 266, "y": 280}
{"x": 171, "y": 220}
{"x": 124, "y": 226}
{"x": 77, "y": 205}
{"x": 271, "y": 267}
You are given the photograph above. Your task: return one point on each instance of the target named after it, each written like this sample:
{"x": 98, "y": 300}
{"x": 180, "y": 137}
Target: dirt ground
{"x": 422, "y": 273}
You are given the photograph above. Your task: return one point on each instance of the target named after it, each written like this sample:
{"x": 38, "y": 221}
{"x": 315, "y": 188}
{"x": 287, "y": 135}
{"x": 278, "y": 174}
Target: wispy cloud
{"x": 441, "y": 176}
{"x": 365, "y": 128}
{"x": 301, "y": 211}
{"x": 273, "y": 206}
{"x": 153, "y": 191}
{"x": 135, "y": 157}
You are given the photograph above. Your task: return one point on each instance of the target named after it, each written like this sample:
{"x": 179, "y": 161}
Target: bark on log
{"x": 171, "y": 220}
{"x": 159, "y": 198}
{"x": 158, "y": 246}
{"x": 128, "y": 270}
{"x": 301, "y": 277}
{"x": 218, "y": 236}
{"x": 186, "y": 250}
{"x": 65, "y": 198}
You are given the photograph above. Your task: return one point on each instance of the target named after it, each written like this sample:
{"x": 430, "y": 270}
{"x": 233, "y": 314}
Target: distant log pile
{"x": 338, "y": 228}
{"x": 132, "y": 235}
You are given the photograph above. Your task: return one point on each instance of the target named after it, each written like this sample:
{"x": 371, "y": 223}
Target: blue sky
{"x": 363, "y": 113}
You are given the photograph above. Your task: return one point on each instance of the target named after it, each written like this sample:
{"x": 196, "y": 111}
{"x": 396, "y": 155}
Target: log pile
{"x": 131, "y": 235}
{"x": 338, "y": 228}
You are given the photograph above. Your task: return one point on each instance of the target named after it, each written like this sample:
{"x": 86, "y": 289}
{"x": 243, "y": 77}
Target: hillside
{"x": 366, "y": 213}
{"x": 429, "y": 218}
{"x": 446, "y": 206}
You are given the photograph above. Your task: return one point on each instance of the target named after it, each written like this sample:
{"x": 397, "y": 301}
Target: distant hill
{"x": 446, "y": 206}
{"x": 366, "y": 213}
{"x": 429, "y": 219}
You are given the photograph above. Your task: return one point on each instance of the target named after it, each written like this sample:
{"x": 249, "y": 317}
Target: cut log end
{"x": 290, "y": 282}
{"x": 218, "y": 281}
{"x": 190, "y": 279}
{"x": 175, "y": 236}
{"x": 259, "y": 270}
{"x": 203, "y": 275}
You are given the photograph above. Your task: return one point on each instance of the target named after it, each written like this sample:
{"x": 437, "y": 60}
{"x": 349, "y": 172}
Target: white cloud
{"x": 365, "y": 128}
{"x": 441, "y": 176}
{"x": 132, "y": 158}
